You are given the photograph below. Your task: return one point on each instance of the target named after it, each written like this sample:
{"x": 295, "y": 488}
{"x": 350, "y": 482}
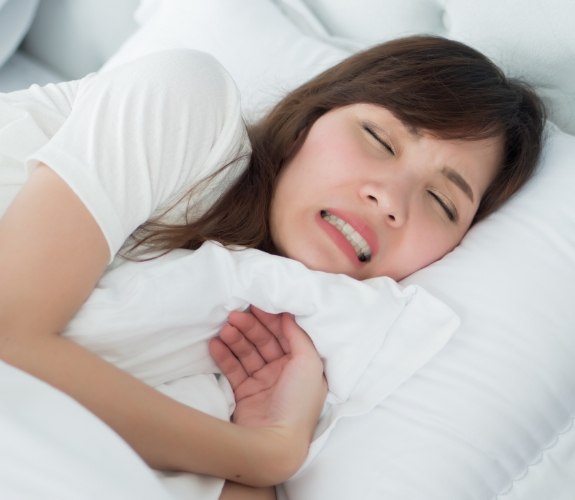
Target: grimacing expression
{"x": 367, "y": 196}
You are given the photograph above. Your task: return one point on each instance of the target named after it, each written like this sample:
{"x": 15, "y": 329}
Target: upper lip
{"x": 363, "y": 228}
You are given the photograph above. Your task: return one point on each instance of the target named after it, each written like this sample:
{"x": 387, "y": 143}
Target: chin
{"x": 324, "y": 262}
{"x": 319, "y": 265}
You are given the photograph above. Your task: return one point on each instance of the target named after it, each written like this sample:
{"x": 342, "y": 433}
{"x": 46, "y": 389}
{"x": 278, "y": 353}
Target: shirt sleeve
{"x": 138, "y": 137}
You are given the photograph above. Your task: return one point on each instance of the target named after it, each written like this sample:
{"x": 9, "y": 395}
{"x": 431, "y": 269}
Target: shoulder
{"x": 179, "y": 71}
{"x": 185, "y": 61}
{"x": 178, "y": 81}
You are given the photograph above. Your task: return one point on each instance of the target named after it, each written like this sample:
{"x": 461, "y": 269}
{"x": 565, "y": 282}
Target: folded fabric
{"x": 153, "y": 318}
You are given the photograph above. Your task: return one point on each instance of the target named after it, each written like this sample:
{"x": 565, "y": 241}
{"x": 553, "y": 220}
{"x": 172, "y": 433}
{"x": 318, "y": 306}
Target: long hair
{"x": 436, "y": 85}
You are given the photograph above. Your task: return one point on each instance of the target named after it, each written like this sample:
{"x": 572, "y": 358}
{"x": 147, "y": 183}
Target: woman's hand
{"x": 276, "y": 375}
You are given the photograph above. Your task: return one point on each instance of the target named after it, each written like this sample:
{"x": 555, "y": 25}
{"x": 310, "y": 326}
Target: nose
{"x": 391, "y": 200}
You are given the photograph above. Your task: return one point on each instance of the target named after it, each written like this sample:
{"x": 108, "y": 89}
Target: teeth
{"x": 355, "y": 239}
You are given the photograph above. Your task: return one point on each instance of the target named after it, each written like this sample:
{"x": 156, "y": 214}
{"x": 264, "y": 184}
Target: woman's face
{"x": 366, "y": 196}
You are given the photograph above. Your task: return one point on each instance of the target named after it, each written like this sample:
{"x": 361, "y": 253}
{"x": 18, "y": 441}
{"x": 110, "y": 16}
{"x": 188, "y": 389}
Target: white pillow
{"x": 365, "y": 21}
{"x": 533, "y": 41}
{"x": 264, "y": 52}
{"x": 270, "y": 46}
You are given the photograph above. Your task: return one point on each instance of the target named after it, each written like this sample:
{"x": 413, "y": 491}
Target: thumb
{"x": 295, "y": 340}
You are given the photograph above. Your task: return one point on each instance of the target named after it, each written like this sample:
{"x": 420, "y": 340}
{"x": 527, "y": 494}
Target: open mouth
{"x": 356, "y": 240}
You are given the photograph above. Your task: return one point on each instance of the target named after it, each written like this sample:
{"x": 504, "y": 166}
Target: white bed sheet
{"x": 53, "y": 449}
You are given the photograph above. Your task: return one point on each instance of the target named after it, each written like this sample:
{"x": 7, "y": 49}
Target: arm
{"x": 52, "y": 253}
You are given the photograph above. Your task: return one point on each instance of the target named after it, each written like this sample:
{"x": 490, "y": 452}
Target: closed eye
{"x": 449, "y": 210}
{"x": 368, "y": 128}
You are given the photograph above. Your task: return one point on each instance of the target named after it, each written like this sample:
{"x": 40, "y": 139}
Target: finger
{"x": 295, "y": 340}
{"x": 227, "y": 362}
{"x": 271, "y": 321}
{"x": 261, "y": 337}
{"x": 301, "y": 347}
{"x": 242, "y": 348}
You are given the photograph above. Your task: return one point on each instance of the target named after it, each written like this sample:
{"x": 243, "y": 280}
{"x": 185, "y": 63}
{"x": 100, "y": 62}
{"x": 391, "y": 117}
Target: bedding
{"x": 153, "y": 319}
{"x": 491, "y": 414}
{"x": 53, "y": 448}
{"x": 270, "y": 46}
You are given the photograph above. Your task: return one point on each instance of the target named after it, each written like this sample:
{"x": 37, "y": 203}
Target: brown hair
{"x": 436, "y": 85}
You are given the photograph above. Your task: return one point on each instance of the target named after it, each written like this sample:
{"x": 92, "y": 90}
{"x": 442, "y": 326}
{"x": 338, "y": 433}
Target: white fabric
{"x": 193, "y": 126}
{"x": 267, "y": 55}
{"x": 532, "y": 41}
{"x": 284, "y": 57}
{"x": 54, "y": 449}
{"x": 152, "y": 318}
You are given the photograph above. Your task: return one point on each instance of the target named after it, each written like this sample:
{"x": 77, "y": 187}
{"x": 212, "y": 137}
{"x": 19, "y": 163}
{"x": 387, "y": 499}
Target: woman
{"x": 378, "y": 166}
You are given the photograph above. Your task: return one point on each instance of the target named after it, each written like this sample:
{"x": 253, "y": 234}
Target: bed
{"x": 490, "y": 415}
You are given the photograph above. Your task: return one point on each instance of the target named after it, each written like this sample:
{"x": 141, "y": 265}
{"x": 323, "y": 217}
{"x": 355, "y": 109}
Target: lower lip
{"x": 340, "y": 241}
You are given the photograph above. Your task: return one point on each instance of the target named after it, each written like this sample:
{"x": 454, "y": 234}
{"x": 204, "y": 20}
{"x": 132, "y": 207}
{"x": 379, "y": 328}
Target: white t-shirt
{"x": 132, "y": 141}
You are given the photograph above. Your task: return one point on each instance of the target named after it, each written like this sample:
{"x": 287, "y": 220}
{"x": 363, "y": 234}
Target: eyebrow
{"x": 451, "y": 174}
{"x": 458, "y": 180}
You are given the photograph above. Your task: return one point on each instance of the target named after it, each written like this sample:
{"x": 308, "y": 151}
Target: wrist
{"x": 269, "y": 455}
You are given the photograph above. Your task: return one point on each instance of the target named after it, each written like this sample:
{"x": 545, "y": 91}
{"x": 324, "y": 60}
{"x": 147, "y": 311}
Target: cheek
{"x": 430, "y": 245}
{"x": 327, "y": 150}
{"x": 289, "y": 196}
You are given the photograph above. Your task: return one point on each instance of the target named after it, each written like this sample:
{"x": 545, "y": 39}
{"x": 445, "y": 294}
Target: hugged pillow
{"x": 140, "y": 316}
{"x": 491, "y": 414}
